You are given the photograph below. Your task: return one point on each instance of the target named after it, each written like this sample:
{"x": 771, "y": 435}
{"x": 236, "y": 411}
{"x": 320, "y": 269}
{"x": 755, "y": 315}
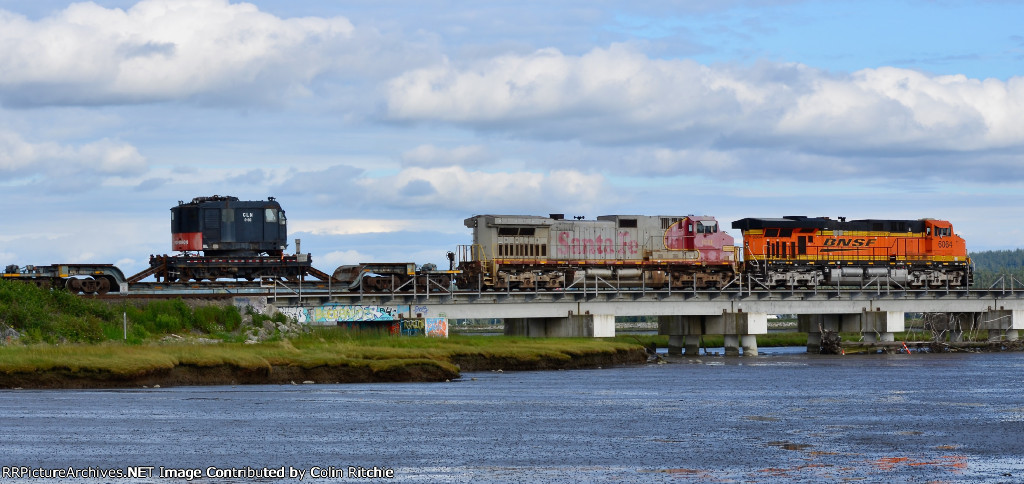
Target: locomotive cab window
{"x": 188, "y": 220}
{"x": 282, "y": 218}
{"x": 270, "y": 216}
{"x": 707, "y": 227}
{"x": 627, "y": 223}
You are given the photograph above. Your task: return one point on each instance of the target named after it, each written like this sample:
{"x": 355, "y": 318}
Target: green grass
{"x": 334, "y": 348}
{"x": 55, "y": 316}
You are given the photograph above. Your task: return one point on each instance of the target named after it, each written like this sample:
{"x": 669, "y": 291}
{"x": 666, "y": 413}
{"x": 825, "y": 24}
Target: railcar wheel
{"x": 102, "y": 285}
{"x": 89, "y": 286}
{"x": 74, "y": 286}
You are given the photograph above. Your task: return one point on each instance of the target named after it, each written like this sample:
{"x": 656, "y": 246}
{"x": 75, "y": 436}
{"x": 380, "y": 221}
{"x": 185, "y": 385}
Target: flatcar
{"x": 512, "y": 252}
{"x": 222, "y": 237}
{"x": 798, "y": 251}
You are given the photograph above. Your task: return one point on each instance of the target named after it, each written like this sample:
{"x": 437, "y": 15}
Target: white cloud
{"x": 160, "y": 50}
{"x": 343, "y": 257}
{"x": 617, "y": 96}
{"x": 428, "y": 155}
{"x": 20, "y": 158}
{"x": 460, "y": 190}
{"x": 365, "y": 226}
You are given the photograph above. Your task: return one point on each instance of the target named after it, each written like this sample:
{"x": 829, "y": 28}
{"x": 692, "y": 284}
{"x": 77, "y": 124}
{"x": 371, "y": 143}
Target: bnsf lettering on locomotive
{"x": 860, "y": 242}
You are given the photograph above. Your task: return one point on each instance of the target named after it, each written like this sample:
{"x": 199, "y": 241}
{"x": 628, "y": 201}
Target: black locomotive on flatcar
{"x": 222, "y": 237}
{"x": 226, "y": 226}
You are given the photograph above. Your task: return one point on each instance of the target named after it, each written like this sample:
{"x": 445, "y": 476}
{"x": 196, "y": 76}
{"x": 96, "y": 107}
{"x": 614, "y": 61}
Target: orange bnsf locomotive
{"x": 532, "y": 252}
{"x": 800, "y": 251}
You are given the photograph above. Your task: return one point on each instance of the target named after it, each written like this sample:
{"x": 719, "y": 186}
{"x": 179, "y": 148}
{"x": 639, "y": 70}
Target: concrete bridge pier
{"x": 678, "y": 343}
{"x": 736, "y": 325}
{"x": 692, "y": 344}
{"x": 1004, "y": 324}
{"x": 749, "y": 344}
{"x": 683, "y": 333}
{"x": 732, "y": 345}
{"x": 572, "y": 326}
{"x": 739, "y": 330}
{"x": 880, "y": 325}
{"x": 813, "y": 324}
{"x": 675, "y": 343}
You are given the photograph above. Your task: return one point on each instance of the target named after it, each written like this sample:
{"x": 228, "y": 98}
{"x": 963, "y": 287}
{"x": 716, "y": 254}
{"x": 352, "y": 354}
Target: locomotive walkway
{"x": 684, "y": 314}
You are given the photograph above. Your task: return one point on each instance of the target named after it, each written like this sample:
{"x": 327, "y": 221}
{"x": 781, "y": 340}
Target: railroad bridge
{"x": 684, "y": 315}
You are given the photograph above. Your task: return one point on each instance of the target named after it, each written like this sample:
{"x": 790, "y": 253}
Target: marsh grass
{"x": 332, "y": 349}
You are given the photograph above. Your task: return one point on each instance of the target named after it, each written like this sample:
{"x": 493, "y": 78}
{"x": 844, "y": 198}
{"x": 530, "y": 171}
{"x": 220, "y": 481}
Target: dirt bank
{"x": 476, "y": 362}
{"x": 188, "y": 375}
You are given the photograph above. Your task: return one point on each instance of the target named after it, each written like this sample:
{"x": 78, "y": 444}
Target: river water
{"x": 779, "y": 417}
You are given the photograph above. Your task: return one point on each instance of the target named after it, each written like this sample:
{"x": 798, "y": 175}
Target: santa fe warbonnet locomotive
{"x": 520, "y": 251}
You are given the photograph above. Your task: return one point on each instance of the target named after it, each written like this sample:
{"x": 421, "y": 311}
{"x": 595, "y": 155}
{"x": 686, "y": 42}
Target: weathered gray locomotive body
{"x": 524, "y": 251}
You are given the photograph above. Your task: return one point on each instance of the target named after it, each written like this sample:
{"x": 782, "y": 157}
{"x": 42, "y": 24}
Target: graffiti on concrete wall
{"x": 436, "y": 327}
{"x": 366, "y": 317}
{"x": 332, "y": 313}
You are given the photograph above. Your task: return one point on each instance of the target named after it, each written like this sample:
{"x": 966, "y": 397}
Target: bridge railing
{"x": 587, "y": 286}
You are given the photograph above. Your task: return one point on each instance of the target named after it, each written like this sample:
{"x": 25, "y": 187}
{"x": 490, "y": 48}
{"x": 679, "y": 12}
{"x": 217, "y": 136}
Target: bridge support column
{"x": 1003, "y": 324}
{"x": 693, "y": 344}
{"x": 675, "y": 344}
{"x": 574, "y": 326}
{"x": 813, "y": 324}
{"x": 749, "y": 344}
{"x": 732, "y": 345}
{"x": 683, "y": 333}
{"x": 880, "y": 325}
{"x": 735, "y": 326}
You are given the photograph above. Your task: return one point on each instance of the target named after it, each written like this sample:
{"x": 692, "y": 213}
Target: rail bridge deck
{"x": 684, "y": 314}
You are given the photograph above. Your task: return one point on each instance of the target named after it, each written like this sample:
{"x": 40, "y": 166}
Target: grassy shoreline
{"x": 339, "y": 358}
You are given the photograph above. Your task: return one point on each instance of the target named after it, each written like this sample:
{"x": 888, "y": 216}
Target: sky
{"x": 380, "y": 125}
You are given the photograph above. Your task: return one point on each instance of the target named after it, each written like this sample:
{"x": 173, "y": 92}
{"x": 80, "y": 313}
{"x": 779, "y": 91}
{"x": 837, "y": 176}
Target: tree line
{"x": 991, "y": 265}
